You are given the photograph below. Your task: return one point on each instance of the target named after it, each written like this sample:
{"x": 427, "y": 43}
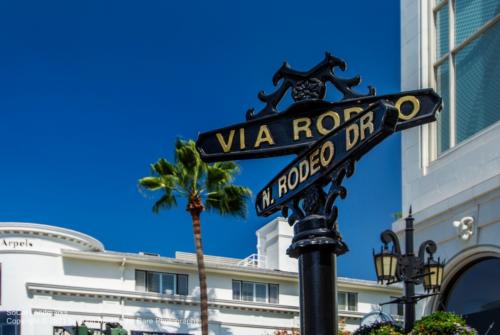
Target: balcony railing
{"x": 254, "y": 260}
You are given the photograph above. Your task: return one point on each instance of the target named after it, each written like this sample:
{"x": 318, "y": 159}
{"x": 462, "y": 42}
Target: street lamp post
{"x": 392, "y": 266}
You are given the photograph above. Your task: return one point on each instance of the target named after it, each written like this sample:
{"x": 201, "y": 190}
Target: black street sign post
{"x": 328, "y": 137}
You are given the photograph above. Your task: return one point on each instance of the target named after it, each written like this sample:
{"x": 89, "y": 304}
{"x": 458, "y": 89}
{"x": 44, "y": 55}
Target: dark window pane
{"x": 342, "y": 301}
{"x": 442, "y": 31}
{"x": 475, "y": 294}
{"x": 471, "y": 15}
{"x": 153, "y": 282}
{"x": 352, "y": 301}
{"x": 140, "y": 281}
{"x": 236, "y": 290}
{"x": 182, "y": 284}
{"x": 478, "y": 84}
{"x": 443, "y": 118}
{"x": 247, "y": 291}
{"x": 274, "y": 293}
{"x": 395, "y": 309}
{"x": 260, "y": 292}
{"x": 167, "y": 283}
{"x": 401, "y": 309}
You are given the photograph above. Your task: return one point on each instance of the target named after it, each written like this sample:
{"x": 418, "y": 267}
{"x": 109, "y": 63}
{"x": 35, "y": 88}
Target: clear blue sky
{"x": 92, "y": 92}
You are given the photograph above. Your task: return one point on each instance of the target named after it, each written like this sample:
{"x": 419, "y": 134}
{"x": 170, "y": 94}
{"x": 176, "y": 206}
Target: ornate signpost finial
{"x": 308, "y": 85}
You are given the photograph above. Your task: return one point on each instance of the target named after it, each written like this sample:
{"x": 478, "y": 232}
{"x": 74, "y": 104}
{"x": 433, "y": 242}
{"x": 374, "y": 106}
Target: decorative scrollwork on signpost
{"x": 308, "y": 85}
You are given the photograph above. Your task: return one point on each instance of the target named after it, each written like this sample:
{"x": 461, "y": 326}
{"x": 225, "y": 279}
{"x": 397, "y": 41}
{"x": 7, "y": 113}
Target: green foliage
{"x": 397, "y": 215}
{"x": 191, "y": 178}
{"x": 442, "y": 323}
{"x": 382, "y": 328}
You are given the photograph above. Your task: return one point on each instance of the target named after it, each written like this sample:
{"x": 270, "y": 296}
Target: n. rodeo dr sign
{"x": 357, "y": 135}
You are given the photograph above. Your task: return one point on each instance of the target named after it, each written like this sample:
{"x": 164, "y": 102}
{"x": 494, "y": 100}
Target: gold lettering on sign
{"x": 293, "y": 178}
{"x": 321, "y": 127}
{"x": 351, "y": 136}
{"x": 349, "y": 111}
{"x": 226, "y": 146}
{"x": 326, "y": 149}
{"x": 267, "y": 198}
{"x": 314, "y": 162}
{"x": 282, "y": 186}
{"x": 300, "y": 125}
{"x": 366, "y": 123}
{"x": 303, "y": 170}
{"x": 415, "y": 107}
{"x": 264, "y": 136}
{"x": 242, "y": 138}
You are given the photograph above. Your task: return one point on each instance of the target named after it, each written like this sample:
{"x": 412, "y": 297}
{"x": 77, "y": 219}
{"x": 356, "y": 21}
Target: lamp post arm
{"x": 389, "y": 236}
{"x": 429, "y": 246}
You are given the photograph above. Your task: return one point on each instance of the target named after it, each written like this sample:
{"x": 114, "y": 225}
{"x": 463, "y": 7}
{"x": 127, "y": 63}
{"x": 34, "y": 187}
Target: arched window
{"x": 475, "y": 294}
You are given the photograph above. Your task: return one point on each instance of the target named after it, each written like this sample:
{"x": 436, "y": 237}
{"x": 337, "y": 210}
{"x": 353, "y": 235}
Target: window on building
{"x": 348, "y": 301}
{"x": 474, "y": 293}
{"x": 255, "y": 292}
{"x": 273, "y": 293}
{"x": 466, "y": 68}
{"x": 161, "y": 282}
{"x": 396, "y": 309}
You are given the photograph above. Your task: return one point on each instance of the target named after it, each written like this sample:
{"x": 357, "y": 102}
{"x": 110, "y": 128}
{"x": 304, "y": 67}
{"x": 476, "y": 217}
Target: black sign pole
{"x": 329, "y": 138}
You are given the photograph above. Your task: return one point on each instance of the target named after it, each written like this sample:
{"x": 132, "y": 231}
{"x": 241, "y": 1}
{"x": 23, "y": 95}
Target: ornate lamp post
{"x": 392, "y": 266}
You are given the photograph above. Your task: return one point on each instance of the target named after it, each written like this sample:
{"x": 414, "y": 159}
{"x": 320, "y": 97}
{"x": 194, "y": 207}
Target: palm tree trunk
{"x": 195, "y": 207}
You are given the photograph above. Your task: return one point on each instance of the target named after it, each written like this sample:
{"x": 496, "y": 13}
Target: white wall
{"x": 273, "y": 239}
{"x": 463, "y": 181}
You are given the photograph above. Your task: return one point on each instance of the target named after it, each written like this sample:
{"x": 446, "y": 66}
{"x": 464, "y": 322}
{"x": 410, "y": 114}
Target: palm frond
{"x": 151, "y": 183}
{"x": 163, "y": 167}
{"x": 189, "y": 164}
{"x": 166, "y": 201}
{"x": 229, "y": 200}
{"x": 229, "y": 166}
{"x": 216, "y": 178}
{"x": 220, "y": 174}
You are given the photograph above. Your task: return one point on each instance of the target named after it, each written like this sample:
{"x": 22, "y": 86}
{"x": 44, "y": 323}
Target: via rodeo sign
{"x": 323, "y": 134}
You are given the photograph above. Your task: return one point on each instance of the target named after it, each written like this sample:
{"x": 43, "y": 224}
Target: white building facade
{"x": 451, "y": 168}
{"x": 53, "y": 277}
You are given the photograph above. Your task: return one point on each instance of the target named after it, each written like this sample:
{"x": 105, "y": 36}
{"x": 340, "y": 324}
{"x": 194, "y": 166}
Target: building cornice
{"x": 35, "y": 229}
{"x": 43, "y": 288}
{"x": 50, "y": 289}
{"x": 445, "y": 208}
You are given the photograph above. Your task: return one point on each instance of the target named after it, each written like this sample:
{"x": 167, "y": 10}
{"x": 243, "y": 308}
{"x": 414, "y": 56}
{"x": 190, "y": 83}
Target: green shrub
{"x": 383, "y": 328}
{"x": 442, "y": 323}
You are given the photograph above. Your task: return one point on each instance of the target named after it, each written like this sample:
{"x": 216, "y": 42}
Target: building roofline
{"x": 182, "y": 264}
{"x": 53, "y": 231}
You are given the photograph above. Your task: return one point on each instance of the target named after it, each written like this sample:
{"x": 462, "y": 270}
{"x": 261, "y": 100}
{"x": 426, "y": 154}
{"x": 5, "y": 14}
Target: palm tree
{"x": 205, "y": 187}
